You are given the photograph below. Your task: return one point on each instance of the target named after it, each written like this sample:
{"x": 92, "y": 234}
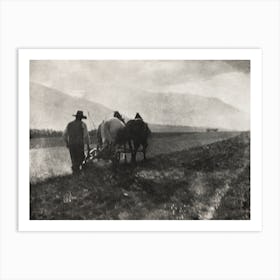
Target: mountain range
{"x": 53, "y": 109}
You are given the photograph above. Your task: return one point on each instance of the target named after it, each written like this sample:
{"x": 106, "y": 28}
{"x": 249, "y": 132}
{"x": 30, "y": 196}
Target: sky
{"x": 105, "y": 81}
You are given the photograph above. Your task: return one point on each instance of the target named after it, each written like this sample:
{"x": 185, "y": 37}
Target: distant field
{"x": 49, "y": 162}
{"x": 37, "y": 143}
{"x": 49, "y": 156}
{"x": 165, "y": 143}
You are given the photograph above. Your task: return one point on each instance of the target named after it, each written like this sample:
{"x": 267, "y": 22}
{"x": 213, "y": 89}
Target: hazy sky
{"x": 104, "y": 81}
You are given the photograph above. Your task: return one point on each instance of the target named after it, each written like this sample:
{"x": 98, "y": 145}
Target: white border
{"x": 25, "y": 55}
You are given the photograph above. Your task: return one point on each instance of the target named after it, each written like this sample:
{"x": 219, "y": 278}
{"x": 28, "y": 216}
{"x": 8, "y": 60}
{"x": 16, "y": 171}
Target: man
{"x": 76, "y": 136}
{"x": 138, "y": 116}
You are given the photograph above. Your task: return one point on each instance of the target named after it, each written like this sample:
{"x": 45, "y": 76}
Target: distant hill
{"x": 184, "y": 110}
{"x": 52, "y": 109}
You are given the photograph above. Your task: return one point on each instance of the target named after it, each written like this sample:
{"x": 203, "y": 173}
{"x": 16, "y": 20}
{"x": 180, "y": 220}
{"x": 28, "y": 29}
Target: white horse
{"x": 110, "y": 134}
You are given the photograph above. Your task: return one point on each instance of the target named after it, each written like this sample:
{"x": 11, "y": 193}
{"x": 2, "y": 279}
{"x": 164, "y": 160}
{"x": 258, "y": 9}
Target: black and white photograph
{"x": 139, "y": 139}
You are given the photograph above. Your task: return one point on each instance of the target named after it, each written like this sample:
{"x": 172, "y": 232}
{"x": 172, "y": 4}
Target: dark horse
{"x": 137, "y": 133}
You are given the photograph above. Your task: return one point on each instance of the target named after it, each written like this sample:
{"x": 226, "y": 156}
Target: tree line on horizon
{"x": 46, "y": 133}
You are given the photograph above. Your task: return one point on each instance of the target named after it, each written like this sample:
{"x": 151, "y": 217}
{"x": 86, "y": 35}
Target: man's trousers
{"x": 77, "y": 156}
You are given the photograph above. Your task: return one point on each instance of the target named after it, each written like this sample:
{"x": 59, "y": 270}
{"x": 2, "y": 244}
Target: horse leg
{"x": 144, "y": 153}
{"x": 124, "y": 148}
{"x": 144, "y": 150}
{"x": 131, "y": 150}
{"x": 136, "y": 146}
{"x": 133, "y": 157}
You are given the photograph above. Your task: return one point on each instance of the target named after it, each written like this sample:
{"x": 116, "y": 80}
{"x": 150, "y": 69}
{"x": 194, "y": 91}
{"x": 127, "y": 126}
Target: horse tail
{"x": 107, "y": 134}
{"x": 98, "y": 135}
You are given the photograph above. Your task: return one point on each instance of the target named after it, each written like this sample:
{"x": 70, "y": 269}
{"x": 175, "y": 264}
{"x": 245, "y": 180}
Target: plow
{"x": 115, "y": 154}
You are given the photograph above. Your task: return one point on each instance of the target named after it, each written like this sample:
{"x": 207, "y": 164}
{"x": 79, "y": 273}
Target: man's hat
{"x": 138, "y": 116}
{"x": 80, "y": 114}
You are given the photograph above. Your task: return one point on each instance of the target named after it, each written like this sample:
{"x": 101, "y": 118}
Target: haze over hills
{"x": 52, "y": 109}
{"x": 184, "y": 110}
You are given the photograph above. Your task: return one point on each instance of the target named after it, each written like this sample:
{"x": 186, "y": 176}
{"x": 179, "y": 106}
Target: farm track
{"x": 206, "y": 182}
